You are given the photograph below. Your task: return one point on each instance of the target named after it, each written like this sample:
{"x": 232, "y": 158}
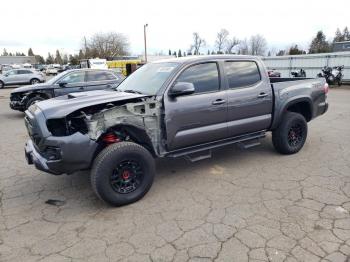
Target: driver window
{"x": 13, "y": 72}
{"x": 204, "y": 77}
{"x": 74, "y": 77}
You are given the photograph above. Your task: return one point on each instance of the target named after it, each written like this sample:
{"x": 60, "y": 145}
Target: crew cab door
{"x": 250, "y": 98}
{"x": 199, "y": 117}
{"x": 70, "y": 83}
{"x": 99, "y": 79}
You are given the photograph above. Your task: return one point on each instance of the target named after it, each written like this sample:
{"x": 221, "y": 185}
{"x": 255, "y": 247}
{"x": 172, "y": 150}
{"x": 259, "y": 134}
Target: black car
{"x": 70, "y": 81}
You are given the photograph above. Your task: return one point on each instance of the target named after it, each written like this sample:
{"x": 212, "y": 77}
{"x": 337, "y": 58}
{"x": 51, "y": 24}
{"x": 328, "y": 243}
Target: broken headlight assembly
{"x": 67, "y": 126}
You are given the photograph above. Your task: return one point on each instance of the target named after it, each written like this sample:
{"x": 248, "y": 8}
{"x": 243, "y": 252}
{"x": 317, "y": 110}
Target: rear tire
{"x": 122, "y": 173}
{"x": 33, "y": 100}
{"x": 290, "y": 136}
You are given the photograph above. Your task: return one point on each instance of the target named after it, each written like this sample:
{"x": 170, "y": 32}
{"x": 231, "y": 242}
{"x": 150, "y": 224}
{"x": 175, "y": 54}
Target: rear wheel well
{"x": 302, "y": 108}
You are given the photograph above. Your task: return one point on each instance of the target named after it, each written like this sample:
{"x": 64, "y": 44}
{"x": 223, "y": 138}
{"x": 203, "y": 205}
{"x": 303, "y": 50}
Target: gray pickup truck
{"x": 172, "y": 108}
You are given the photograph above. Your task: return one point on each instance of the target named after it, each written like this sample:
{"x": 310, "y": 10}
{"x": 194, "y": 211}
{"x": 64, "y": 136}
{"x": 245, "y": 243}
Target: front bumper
{"x": 33, "y": 157}
{"x": 17, "y": 105}
{"x": 56, "y": 154}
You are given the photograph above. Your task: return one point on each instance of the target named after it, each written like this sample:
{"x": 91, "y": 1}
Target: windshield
{"x": 148, "y": 79}
{"x": 54, "y": 79}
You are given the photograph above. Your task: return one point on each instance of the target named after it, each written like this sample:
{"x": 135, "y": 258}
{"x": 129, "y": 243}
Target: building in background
{"x": 341, "y": 46}
{"x": 17, "y": 60}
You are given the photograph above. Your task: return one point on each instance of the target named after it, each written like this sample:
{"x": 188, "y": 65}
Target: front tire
{"x": 2, "y": 84}
{"x": 290, "y": 136}
{"x": 122, "y": 173}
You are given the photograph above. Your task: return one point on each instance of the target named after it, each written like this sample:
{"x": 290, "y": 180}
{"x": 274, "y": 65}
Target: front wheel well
{"x": 127, "y": 133}
{"x": 302, "y": 108}
{"x": 45, "y": 96}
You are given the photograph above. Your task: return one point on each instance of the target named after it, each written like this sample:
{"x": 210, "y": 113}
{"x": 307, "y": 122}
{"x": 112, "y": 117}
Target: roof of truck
{"x": 193, "y": 58}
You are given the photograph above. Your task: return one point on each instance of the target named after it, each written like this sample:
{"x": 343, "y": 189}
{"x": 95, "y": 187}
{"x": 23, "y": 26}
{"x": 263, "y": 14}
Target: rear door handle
{"x": 219, "y": 102}
{"x": 262, "y": 95}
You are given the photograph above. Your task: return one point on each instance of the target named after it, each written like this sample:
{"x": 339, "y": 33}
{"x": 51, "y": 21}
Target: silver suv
{"x": 21, "y": 76}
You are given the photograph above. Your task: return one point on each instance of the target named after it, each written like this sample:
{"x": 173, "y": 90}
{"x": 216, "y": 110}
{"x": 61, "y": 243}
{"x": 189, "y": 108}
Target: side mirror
{"x": 62, "y": 84}
{"x": 7, "y": 75}
{"x": 181, "y": 88}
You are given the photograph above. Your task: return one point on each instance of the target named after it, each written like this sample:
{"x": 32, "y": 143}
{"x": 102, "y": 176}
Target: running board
{"x": 208, "y": 146}
{"x": 198, "y": 156}
{"x": 248, "y": 144}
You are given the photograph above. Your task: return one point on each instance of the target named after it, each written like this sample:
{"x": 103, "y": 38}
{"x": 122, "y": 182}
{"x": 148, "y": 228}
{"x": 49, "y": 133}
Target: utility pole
{"x": 144, "y": 35}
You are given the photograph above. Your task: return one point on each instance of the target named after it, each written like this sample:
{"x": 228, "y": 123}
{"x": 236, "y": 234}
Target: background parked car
{"x": 53, "y": 69}
{"x": 273, "y": 73}
{"x": 70, "y": 81}
{"x": 21, "y": 76}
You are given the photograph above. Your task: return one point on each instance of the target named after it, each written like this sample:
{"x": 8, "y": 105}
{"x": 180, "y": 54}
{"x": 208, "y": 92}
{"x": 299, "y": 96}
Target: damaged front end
{"x": 137, "y": 120}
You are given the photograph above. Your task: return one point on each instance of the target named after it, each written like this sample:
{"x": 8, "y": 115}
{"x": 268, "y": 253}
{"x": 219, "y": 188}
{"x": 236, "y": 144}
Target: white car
{"x": 52, "y": 69}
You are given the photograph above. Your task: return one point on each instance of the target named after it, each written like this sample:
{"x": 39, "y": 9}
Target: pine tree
{"x": 4, "y": 53}
{"x": 346, "y": 34}
{"x": 169, "y": 52}
{"x": 179, "y": 54}
{"x": 319, "y": 44}
{"x": 338, "y": 36}
{"x": 174, "y": 54}
{"x": 49, "y": 59}
{"x": 58, "y": 58}
{"x": 81, "y": 55}
{"x": 294, "y": 50}
{"x": 208, "y": 52}
{"x": 30, "y": 52}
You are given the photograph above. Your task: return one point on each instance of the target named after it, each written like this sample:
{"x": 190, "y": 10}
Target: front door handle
{"x": 262, "y": 95}
{"x": 219, "y": 102}
{"x": 81, "y": 88}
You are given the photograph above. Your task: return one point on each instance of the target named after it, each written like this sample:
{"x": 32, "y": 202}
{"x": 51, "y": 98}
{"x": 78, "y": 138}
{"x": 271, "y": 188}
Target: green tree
{"x": 58, "y": 58}
{"x": 30, "y": 52}
{"x": 338, "y": 36}
{"x": 65, "y": 59}
{"x": 81, "y": 55}
{"x": 50, "y": 59}
{"x": 169, "y": 52}
{"x": 346, "y": 34}
{"x": 179, "y": 53}
{"x": 294, "y": 50}
{"x": 39, "y": 59}
{"x": 319, "y": 44}
{"x": 208, "y": 53}
{"x": 174, "y": 54}
{"x": 4, "y": 53}
{"x": 73, "y": 60}
{"x": 281, "y": 53}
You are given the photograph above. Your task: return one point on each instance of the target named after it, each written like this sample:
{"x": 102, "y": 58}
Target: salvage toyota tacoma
{"x": 172, "y": 108}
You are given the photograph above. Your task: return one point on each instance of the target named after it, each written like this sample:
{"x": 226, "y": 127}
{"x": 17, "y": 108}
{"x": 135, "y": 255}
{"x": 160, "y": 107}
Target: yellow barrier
{"x": 121, "y": 64}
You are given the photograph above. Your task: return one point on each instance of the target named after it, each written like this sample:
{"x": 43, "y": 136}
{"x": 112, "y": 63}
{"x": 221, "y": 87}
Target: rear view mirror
{"x": 181, "y": 88}
{"x": 62, "y": 84}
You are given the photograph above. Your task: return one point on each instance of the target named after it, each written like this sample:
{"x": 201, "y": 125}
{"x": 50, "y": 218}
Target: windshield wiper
{"x": 132, "y": 91}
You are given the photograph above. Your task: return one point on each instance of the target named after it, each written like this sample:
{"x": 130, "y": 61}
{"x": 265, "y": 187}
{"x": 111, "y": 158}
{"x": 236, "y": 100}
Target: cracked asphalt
{"x": 240, "y": 205}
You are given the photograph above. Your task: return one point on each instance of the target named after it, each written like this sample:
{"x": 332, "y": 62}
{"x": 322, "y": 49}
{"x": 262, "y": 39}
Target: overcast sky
{"x": 49, "y": 25}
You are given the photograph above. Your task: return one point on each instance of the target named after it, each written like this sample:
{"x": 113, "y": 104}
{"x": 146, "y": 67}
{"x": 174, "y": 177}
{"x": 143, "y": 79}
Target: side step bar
{"x": 245, "y": 141}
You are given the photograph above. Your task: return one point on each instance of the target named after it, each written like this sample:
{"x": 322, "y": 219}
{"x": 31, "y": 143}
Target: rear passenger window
{"x": 204, "y": 77}
{"x": 242, "y": 73}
